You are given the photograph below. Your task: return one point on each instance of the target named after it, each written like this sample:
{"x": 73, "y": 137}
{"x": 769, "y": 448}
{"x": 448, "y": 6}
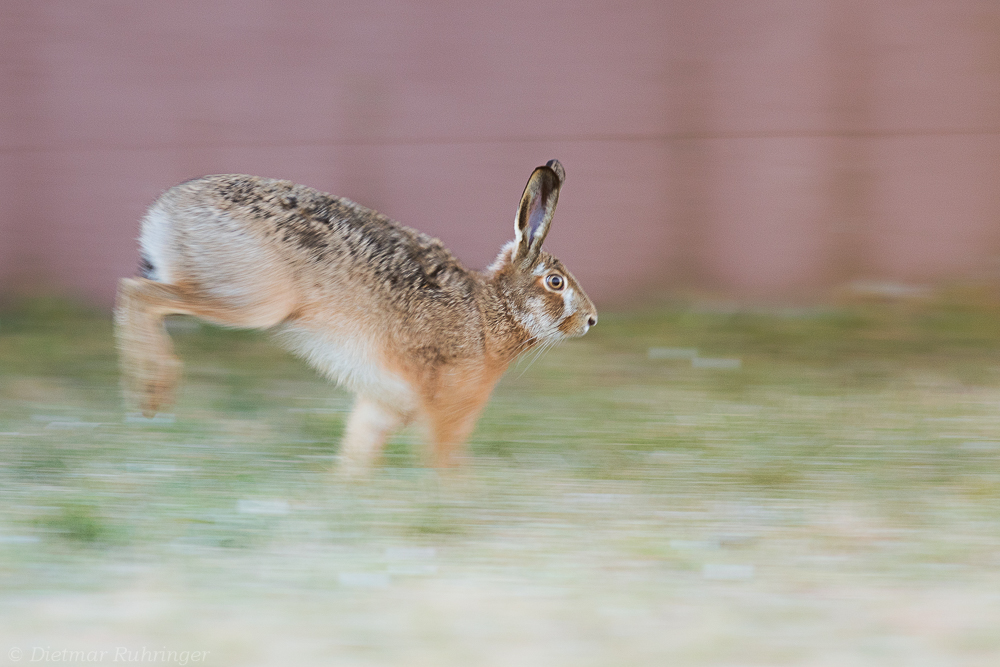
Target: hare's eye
{"x": 555, "y": 282}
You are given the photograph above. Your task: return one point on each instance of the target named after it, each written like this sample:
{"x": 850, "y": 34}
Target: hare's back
{"x": 247, "y": 238}
{"x": 225, "y": 226}
{"x": 220, "y": 237}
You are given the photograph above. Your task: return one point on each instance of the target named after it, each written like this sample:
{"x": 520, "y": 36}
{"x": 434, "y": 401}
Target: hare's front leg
{"x": 451, "y": 417}
{"x": 368, "y": 428}
{"x": 150, "y": 371}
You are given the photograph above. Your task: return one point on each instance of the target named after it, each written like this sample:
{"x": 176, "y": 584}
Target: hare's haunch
{"x": 380, "y": 308}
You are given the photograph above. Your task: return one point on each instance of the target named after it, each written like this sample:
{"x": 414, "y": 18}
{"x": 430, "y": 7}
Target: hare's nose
{"x": 592, "y": 320}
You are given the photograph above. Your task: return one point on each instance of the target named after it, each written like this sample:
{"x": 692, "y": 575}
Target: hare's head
{"x": 540, "y": 294}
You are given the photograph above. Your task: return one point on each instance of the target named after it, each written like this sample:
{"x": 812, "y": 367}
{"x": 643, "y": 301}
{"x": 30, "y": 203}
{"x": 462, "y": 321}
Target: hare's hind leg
{"x": 150, "y": 370}
{"x": 368, "y": 428}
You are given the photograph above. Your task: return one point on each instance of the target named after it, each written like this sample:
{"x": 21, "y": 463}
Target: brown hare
{"x": 381, "y": 309}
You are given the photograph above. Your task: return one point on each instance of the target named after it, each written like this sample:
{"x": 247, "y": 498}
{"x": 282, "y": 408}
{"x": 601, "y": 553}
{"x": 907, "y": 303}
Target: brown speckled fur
{"x": 380, "y": 308}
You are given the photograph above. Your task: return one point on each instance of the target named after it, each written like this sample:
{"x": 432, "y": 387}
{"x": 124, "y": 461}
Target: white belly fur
{"x": 350, "y": 363}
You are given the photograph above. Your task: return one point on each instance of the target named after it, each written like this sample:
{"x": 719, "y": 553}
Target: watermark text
{"x": 123, "y": 655}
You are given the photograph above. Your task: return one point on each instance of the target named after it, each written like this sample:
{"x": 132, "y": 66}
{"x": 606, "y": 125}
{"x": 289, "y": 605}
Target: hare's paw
{"x": 151, "y": 382}
{"x": 368, "y": 428}
{"x": 160, "y": 385}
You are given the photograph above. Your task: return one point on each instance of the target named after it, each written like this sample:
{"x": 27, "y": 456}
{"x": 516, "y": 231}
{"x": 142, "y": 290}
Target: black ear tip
{"x": 556, "y": 166}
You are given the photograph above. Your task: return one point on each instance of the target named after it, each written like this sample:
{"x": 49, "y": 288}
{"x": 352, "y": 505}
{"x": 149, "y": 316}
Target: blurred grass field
{"x": 685, "y": 486}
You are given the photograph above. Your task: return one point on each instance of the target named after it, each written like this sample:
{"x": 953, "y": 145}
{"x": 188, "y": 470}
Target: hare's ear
{"x": 534, "y": 215}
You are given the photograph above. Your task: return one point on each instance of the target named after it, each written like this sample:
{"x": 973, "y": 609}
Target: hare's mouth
{"x": 576, "y": 325}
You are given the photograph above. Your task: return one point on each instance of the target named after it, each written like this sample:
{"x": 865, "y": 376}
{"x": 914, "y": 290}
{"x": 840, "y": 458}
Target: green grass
{"x": 833, "y": 500}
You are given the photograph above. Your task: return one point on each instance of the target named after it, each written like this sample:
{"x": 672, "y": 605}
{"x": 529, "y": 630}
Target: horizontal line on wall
{"x": 442, "y": 141}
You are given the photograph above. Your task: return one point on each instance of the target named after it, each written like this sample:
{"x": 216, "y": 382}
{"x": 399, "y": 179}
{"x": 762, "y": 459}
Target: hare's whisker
{"x": 537, "y": 354}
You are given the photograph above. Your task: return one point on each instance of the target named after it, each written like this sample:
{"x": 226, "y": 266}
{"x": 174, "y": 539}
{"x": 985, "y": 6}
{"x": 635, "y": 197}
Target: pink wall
{"x": 772, "y": 149}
